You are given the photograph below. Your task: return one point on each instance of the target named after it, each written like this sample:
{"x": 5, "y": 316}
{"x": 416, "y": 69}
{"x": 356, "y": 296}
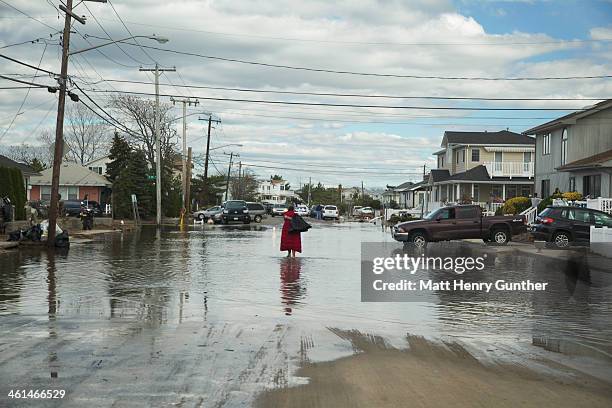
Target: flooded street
{"x": 213, "y": 317}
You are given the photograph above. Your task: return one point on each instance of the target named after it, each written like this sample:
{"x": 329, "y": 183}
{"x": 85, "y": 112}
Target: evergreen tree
{"x": 120, "y": 154}
{"x": 37, "y": 165}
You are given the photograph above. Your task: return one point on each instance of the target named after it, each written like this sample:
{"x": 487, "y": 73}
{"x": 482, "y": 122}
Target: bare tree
{"x": 28, "y": 154}
{"x": 87, "y": 136}
{"x": 139, "y": 115}
{"x": 245, "y": 186}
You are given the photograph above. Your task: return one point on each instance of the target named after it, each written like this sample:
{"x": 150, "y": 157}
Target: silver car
{"x": 203, "y": 215}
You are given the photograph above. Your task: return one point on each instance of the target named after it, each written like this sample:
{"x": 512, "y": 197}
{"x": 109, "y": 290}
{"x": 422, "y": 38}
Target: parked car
{"x": 302, "y": 210}
{"x": 357, "y": 210}
{"x": 269, "y": 207}
{"x": 330, "y": 211}
{"x": 367, "y": 212}
{"x": 71, "y": 208}
{"x": 235, "y": 210}
{"x": 278, "y": 209}
{"x": 256, "y": 210}
{"x": 94, "y": 206}
{"x": 203, "y": 215}
{"x": 459, "y": 222}
{"x": 563, "y": 226}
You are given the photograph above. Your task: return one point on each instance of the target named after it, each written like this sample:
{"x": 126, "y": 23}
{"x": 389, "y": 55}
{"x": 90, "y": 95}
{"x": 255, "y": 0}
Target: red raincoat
{"x": 290, "y": 240}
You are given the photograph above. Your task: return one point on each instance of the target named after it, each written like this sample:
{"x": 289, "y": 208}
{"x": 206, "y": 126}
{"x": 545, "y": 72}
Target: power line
{"x": 27, "y": 15}
{"x": 260, "y": 101}
{"x": 319, "y": 165}
{"x": 129, "y": 32}
{"x": 369, "y": 74}
{"x": 25, "y": 98}
{"x": 451, "y": 44}
{"x": 25, "y": 64}
{"x": 353, "y": 95}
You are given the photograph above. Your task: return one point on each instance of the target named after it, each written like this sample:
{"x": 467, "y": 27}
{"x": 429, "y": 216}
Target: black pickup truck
{"x": 459, "y": 222}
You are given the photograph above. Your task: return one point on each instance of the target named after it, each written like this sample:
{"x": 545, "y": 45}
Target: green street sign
{"x": 150, "y": 177}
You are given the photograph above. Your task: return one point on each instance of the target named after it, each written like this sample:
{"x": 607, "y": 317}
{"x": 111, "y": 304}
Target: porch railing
{"x": 509, "y": 169}
{"x": 601, "y": 204}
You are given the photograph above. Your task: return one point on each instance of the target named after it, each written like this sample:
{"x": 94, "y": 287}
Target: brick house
{"x": 76, "y": 181}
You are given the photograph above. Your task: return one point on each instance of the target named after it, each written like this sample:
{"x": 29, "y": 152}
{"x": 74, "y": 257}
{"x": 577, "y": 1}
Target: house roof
{"x": 597, "y": 160}
{"x": 504, "y": 137}
{"x": 71, "y": 174}
{"x": 419, "y": 185}
{"x": 569, "y": 119}
{"x": 102, "y": 159}
{"x": 404, "y": 186}
{"x": 439, "y": 175}
{"x": 25, "y": 169}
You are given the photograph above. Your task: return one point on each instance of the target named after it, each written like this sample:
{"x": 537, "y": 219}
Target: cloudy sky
{"x": 331, "y": 144}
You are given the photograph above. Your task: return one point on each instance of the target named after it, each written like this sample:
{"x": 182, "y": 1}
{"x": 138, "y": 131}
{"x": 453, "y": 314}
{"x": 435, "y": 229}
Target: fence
{"x": 601, "y": 204}
{"x": 601, "y": 241}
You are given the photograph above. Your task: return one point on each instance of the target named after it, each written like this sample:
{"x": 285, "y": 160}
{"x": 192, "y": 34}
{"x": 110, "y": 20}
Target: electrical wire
{"x": 368, "y": 74}
{"x": 427, "y": 44}
{"x": 25, "y": 98}
{"x": 354, "y": 95}
{"x": 260, "y": 101}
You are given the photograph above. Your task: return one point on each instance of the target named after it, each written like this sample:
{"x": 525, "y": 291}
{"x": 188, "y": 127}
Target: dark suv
{"x": 235, "y": 210}
{"x": 71, "y": 208}
{"x": 566, "y": 225}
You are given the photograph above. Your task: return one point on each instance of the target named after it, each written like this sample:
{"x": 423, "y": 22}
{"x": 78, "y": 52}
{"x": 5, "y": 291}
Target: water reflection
{"x": 291, "y": 287}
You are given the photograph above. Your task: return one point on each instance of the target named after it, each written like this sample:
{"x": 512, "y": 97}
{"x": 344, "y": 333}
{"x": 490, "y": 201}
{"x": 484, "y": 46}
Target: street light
{"x": 226, "y": 145}
{"x": 161, "y": 40}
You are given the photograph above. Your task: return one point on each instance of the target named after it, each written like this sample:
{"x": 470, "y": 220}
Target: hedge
{"x": 514, "y": 205}
{"x": 11, "y": 186}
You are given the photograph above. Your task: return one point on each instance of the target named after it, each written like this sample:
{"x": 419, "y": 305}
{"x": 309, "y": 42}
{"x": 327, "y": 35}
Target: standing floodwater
{"x": 219, "y": 314}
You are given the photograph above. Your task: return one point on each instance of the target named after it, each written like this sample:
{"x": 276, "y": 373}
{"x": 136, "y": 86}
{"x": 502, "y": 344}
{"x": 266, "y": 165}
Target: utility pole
{"x": 229, "y": 169}
{"x": 157, "y": 71}
{"x": 309, "y": 184}
{"x": 188, "y": 191}
{"x": 210, "y": 120}
{"x": 362, "y": 195}
{"x": 185, "y": 102}
{"x": 240, "y": 180}
{"x": 59, "y": 124}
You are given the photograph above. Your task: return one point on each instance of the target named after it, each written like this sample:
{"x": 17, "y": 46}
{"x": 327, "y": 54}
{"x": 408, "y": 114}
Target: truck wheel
{"x": 257, "y": 218}
{"x": 561, "y": 239}
{"x": 201, "y": 217}
{"x": 418, "y": 239}
{"x": 500, "y": 236}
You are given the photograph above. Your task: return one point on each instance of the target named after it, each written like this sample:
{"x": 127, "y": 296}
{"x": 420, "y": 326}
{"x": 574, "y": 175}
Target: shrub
{"x": 544, "y": 203}
{"x": 572, "y": 196}
{"x": 514, "y": 205}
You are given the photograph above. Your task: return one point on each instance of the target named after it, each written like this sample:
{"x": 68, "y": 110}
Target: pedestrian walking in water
{"x": 291, "y": 241}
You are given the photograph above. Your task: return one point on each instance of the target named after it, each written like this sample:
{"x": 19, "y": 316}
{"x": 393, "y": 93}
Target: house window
{"x": 457, "y": 157}
{"x": 546, "y": 144}
{"x": 476, "y": 192}
{"x": 591, "y": 186}
{"x": 572, "y": 184}
{"x": 545, "y": 188}
{"x": 564, "y": 147}
{"x": 525, "y": 191}
{"x": 282, "y": 187}
{"x": 475, "y": 155}
{"x": 45, "y": 193}
{"x": 497, "y": 191}
{"x": 440, "y": 161}
{"x": 96, "y": 169}
{"x": 463, "y": 156}
{"x": 73, "y": 193}
{"x": 511, "y": 191}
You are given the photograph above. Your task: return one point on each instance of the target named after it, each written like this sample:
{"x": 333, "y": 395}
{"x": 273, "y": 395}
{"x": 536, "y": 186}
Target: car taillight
{"x": 546, "y": 220}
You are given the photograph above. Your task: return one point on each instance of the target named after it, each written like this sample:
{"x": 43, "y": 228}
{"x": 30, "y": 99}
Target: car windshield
{"x": 279, "y": 206}
{"x": 213, "y": 209}
{"x": 235, "y": 204}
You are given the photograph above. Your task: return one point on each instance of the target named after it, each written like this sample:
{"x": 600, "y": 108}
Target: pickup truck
{"x": 459, "y": 222}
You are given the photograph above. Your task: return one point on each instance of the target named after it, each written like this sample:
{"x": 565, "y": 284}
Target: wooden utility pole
{"x": 58, "y": 151}
{"x": 188, "y": 190}
{"x": 239, "y": 180}
{"x": 157, "y": 71}
{"x": 362, "y": 194}
{"x": 229, "y": 169}
{"x": 309, "y": 184}
{"x": 185, "y": 102}
{"x": 210, "y": 120}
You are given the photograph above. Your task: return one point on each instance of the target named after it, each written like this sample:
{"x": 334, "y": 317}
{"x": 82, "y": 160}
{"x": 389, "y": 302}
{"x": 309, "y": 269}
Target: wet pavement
{"x": 211, "y": 317}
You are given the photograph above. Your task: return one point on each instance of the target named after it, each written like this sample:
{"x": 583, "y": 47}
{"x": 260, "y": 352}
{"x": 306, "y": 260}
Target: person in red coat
{"x": 290, "y": 241}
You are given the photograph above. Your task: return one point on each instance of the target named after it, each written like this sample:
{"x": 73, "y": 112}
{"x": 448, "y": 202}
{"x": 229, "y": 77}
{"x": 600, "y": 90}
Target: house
{"x": 26, "y": 171}
{"x": 99, "y": 165}
{"x": 482, "y": 167}
{"x": 574, "y": 153}
{"x": 404, "y": 192}
{"x": 275, "y": 191}
{"x": 76, "y": 181}
{"x": 349, "y": 193}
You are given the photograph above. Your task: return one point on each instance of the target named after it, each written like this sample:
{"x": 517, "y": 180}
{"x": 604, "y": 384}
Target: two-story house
{"x": 574, "y": 152}
{"x": 482, "y": 167}
{"x": 275, "y": 191}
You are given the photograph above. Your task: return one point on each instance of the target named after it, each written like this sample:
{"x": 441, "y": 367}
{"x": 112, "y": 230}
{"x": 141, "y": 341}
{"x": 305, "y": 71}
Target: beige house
{"x": 482, "y": 167}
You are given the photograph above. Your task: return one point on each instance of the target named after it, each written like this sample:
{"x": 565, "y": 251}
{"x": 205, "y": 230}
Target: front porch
{"x": 490, "y": 196}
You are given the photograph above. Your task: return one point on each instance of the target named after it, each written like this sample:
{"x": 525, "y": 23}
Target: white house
{"x": 275, "y": 191}
{"x": 99, "y": 165}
